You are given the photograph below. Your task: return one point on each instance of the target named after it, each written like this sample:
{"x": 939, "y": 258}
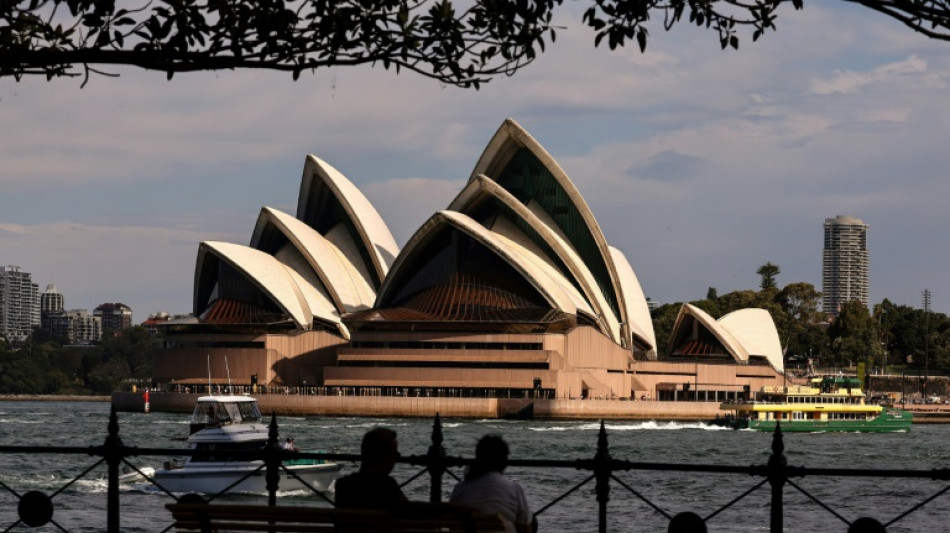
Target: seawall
{"x": 51, "y": 398}
{"x": 390, "y": 406}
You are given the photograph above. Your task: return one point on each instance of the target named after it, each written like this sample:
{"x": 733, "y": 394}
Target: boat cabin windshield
{"x": 214, "y": 413}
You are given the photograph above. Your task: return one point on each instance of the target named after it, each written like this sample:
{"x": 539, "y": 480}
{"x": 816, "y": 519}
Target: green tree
{"x": 711, "y": 307}
{"x": 803, "y": 331}
{"x": 768, "y": 272}
{"x": 735, "y": 300}
{"x": 903, "y": 331}
{"x": 457, "y": 43}
{"x": 853, "y": 335}
{"x": 21, "y": 375}
{"x": 712, "y": 294}
{"x": 800, "y": 300}
{"x": 664, "y": 317}
{"x": 107, "y": 376}
{"x": 134, "y": 347}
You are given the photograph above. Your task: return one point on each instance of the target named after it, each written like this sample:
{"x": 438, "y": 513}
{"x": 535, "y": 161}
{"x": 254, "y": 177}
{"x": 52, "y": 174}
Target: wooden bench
{"x": 414, "y": 518}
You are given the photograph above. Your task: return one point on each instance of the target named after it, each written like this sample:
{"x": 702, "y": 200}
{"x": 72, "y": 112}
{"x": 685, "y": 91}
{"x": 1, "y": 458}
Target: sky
{"x": 699, "y": 164}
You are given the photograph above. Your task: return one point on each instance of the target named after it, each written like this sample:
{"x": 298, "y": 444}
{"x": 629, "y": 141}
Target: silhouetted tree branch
{"x": 464, "y": 45}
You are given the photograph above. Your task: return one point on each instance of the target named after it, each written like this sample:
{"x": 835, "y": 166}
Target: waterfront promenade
{"x": 394, "y": 406}
{"x": 311, "y": 405}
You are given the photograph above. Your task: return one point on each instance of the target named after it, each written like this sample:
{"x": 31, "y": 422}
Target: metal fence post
{"x": 272, "y": 462}
{"x": 112, "y": 452}
{"x": 777, "y": 475}
{"x": 436, "y": 460}
{"x": 602, "y": 470}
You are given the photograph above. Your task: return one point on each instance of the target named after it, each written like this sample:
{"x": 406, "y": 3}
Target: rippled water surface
{"x": 80, "y": 506}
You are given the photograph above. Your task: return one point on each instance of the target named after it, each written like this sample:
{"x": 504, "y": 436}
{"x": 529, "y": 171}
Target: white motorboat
{"x": 223, "y": 425}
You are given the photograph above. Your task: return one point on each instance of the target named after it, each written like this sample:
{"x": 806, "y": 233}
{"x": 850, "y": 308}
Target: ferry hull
{"x": 888, "y": 421}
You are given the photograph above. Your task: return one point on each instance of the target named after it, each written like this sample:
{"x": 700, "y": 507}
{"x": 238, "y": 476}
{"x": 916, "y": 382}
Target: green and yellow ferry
{"x": 831, "y": 403}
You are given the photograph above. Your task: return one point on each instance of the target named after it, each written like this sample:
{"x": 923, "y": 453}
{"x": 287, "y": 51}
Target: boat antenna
{"x": 228, "y": 370}
{"x": 209, "y": 373}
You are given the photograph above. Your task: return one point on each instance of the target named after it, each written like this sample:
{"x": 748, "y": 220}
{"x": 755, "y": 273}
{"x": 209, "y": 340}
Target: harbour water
{"x": 81, "y": 505}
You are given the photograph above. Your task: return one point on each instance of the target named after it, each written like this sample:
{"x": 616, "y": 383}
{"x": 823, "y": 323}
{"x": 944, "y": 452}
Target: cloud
{"x": 669, "y": 165}
{"x": 14, "y": 229}
{"x": 405, "y": 204}
{"x": 850, "y": 82}
{"x": 95, "y": 264}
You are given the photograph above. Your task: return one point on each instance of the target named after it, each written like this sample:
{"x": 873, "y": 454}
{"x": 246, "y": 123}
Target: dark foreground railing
{"x": 37, "y": 509}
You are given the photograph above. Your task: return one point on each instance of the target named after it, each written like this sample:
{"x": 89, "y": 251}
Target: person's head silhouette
{"x": 491, "y": 455}
{"x": 379, "y": 449}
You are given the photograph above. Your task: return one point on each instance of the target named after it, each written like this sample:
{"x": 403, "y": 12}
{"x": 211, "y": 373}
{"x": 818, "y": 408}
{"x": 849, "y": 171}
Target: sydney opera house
{"x": 511, "y": 290}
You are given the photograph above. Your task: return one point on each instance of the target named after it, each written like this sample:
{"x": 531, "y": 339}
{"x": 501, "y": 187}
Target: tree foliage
{"x": 459, "y": 46}
{"x": 768, "y": 272}
{"x": 45, "y": 366}
{"x": 457, "y": 43}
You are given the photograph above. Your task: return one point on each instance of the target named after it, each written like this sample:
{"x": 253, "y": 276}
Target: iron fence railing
{"x": 36, "y": 508}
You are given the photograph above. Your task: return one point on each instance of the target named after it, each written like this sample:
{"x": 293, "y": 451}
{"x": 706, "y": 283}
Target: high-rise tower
{"x": 51, "y": 301}
{"x": 114, "y": 316}
{"x": 844, "y": 262}
{"x": 19, "y": 304}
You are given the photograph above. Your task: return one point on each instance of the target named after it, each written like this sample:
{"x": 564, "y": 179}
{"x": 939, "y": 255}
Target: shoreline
{"x": 445, "y": 407}
{"x": 453, "y": 407}
{"x": 53, "y": 398}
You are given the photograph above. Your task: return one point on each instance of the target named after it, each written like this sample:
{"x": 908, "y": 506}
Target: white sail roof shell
{"x": 743, "y": 333}
{"x": 511, "y": 137}
{"x": 348, "y": 289}
{"x": 269, "y": 274}
{"x": 532, "y": 272}
{"x": 725, "y": 337}
{"x": 321, "y": 308}
{"x": 594, "y": 299}
{"x": 638, "y": 312}
{"x": 551, "y": 274}
{"x": 374, "y": 233}
{"x": 755, "y": 330}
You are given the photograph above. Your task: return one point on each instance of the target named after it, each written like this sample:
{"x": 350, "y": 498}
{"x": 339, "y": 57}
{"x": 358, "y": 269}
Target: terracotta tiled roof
{"x": 466, "y": 300}
{"x": 224, "y": 311}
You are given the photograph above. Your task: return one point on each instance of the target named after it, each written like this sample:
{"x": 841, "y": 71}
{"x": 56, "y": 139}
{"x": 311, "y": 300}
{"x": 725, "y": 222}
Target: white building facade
{"x": 19, "y": 304}
{"x": 845, "y": 263}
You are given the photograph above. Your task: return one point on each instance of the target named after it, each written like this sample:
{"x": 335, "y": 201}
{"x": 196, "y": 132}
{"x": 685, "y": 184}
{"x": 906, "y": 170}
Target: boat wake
{"x": 646, "y": 425}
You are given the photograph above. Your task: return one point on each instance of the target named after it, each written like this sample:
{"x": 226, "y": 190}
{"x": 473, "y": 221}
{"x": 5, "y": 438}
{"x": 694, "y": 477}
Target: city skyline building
{"x": 51, "y": 301}
{"x": 83, "y": 328}
{"x": 19, "y": 304}
{"x": 845, "y": 263}
{"x": 115, "y": 316}
{"x": 75, "y": 325}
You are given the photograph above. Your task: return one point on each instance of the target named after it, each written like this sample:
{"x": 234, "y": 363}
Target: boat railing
{"x": 36, "y": 509}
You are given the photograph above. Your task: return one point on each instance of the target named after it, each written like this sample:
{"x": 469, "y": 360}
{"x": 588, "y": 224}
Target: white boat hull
{"x": 214, "y": 479}
{"x": 133, "y": 476}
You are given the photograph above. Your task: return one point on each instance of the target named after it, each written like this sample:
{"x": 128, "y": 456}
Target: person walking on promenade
{"x": 487, "y": 489}
{"x": 372, "y": 487}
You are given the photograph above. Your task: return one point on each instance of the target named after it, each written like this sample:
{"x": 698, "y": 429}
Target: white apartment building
{"x": 19, "y": 304}
{"x": 845, "y": 263}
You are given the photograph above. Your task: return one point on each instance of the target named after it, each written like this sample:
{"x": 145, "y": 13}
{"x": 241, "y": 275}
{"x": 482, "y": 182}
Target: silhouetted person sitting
{"x": 372, "y": 487}
{"x": 486, "y": 489}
